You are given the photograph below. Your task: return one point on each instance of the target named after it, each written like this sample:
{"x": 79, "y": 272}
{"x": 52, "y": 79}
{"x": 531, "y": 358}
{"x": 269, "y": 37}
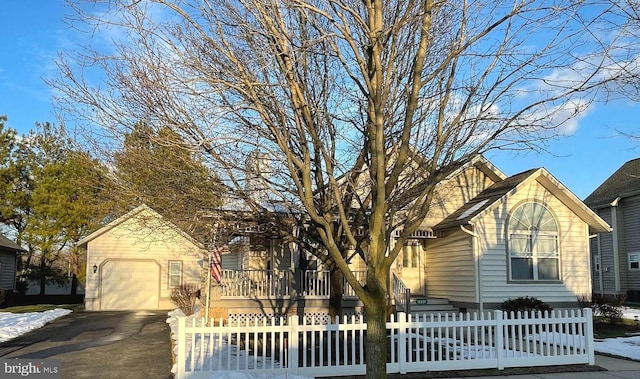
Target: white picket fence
{"x": 426, "y": 343}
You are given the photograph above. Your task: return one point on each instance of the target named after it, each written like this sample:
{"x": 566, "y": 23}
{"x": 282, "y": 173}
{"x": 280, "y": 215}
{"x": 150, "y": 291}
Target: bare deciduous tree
{"x": 344, "y": 99}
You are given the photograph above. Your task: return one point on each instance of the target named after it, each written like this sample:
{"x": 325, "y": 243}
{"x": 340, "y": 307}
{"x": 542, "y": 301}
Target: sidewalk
{"x": 616, "y": 368}
{"x": 605, "y": 368}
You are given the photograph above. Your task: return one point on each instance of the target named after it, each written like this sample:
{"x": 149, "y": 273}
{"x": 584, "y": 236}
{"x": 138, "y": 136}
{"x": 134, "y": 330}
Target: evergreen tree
{"x": 156, "y": 167}
{"x": 52, "y": 197}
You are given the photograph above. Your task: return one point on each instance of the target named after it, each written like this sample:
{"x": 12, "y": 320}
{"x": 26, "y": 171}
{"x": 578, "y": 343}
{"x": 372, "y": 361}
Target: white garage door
{"x": 128, "y": 285}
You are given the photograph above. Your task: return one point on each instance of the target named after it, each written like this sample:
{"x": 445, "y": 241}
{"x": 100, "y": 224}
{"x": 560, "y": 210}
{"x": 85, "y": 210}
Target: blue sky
{"x": 32, "y": 32}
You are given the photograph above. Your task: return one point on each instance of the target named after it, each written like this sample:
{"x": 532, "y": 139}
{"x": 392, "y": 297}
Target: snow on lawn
{"x": 13, "y": 325}
{"x": 628, "y": 347}
{"x": 220, "y": 359}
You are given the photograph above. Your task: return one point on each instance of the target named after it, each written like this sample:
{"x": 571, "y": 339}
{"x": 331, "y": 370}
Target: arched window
{"x": 533, "y": 244}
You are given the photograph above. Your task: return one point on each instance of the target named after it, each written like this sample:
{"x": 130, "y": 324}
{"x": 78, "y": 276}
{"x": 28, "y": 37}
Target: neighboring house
{"x": 616, "y": 255}
{"x": 135, "y": 261}
{"x": 8, "y": 263}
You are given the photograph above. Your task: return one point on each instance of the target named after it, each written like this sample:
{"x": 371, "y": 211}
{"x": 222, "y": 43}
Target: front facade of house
{"x": 525, "y": 235}
{"x": 8, "y": 263}
{"x": 487, "y": 238}
{"x": 134, "y": 262}
{"x": 616, "y": 256}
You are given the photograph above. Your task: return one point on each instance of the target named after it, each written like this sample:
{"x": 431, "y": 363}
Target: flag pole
{"x": 208, "y": 301}
{"x": 210, "y": 251}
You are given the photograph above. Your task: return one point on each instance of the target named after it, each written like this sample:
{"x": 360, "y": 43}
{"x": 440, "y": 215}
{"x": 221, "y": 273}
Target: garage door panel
{"x": 129, "y": 285}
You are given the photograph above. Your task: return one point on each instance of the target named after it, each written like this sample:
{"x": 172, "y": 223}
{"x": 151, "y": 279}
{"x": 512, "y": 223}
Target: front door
{"x": 410, "y": 267}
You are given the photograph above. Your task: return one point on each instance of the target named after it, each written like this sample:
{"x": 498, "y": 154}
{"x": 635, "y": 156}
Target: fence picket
{"x": 439, "y": 342}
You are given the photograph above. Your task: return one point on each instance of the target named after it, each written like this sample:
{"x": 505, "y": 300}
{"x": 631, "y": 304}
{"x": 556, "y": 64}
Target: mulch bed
{"x": 491, "y": 372}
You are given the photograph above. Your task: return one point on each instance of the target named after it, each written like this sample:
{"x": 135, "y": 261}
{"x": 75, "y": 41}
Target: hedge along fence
{"x": 424, "y": 343}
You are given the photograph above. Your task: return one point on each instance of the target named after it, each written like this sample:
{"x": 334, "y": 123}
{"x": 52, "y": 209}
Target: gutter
{"x": 476, "y": 266}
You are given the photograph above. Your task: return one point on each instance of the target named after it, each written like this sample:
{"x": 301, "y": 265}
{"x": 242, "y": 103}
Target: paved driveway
{"x": 123, "y": 345}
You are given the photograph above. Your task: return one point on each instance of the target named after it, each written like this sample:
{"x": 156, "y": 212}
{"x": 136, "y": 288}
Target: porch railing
{"x": 280, "y": 284}
{"x": 317, "y": 283}
{"x": 401, "y": 295}
{"x": 255, "y": 283}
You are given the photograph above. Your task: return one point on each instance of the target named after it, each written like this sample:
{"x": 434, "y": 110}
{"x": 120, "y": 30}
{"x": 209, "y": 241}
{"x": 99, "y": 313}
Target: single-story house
{"x": 616, "y": 255}
{"x": 8, "y": 263}
{"x": 135, "y": 261}
{"x": 487, "y": 238}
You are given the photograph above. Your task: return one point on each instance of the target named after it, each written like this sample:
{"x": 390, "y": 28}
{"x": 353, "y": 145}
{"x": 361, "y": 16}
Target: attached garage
{"x": 127, "y": 285}
{"x": 134, "y": 262}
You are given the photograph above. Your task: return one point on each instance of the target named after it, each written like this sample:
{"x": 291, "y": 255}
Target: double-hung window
{"x": 533, "y": 244}
{"x": 175, "y": 274}
{"x": 634, "y": 261}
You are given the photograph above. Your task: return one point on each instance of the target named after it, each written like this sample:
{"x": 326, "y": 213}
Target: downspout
{"x": 476, "y": 266}
{"x": 599, "y": 272}
{"x": 616, "y": 258}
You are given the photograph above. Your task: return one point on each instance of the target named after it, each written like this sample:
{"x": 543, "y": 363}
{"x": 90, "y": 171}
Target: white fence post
{"x": 402, "y": 342}
{"x": 182, "y": 342}
{"x": 499, "y": 339}
{"x": 588, "y": 338}
{"x": 292, "y": 345}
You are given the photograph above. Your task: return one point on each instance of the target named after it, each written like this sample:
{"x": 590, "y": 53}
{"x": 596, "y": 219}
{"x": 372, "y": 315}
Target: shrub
{"x": 605, "y": 308}
{"x": 185, "y": 297}
{"x": 2, "y": 294}
{"x": 525, "y": 304}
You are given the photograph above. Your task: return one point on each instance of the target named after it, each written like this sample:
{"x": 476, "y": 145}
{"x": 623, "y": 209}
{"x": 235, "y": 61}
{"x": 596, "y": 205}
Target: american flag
{"x": 216, "y": 264}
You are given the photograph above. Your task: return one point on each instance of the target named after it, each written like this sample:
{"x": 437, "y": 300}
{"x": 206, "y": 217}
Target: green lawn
{"x": 624, "y": 328}
{"x": 41, "y": 308}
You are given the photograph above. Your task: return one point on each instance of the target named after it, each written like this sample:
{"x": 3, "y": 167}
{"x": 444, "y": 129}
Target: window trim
{"x": 596, "y": 262}
{"x": 170, "y": 274}
{"x": 532, "y": 234}
{"x": 637, "y": 260}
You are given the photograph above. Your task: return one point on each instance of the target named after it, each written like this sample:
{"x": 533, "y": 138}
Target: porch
{"x": 280, "y": 284}
{"x": 242, "y": 294}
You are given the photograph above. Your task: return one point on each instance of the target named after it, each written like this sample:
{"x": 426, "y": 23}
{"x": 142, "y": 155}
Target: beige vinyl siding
{"x": 573, "y": 246}
{"x": 151, "y": 240}
{"x": 7, "y": 270}
{"x": 630, "y": 240}
{"x": 450, "y": 267}
{"x": 454, "y": 193}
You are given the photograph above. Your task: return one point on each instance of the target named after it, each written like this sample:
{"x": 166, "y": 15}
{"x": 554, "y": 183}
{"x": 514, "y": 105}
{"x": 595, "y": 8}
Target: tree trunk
{"x": 74, "y": 285}
{"x": 376, "y": 342}
{"x": 336, "y": 278}
{"x": 43, "y": 275}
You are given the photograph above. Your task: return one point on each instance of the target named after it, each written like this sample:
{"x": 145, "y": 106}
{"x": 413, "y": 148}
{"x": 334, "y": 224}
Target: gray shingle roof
{"x": 485, "y": 198}
{"x": 7, "y": 244}
{"x": 624, "y": 182}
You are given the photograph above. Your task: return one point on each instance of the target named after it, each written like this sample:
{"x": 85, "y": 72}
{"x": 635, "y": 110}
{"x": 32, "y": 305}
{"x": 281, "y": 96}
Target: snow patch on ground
{"x": 13, "y": 325}
{"x": 627, "y": 347}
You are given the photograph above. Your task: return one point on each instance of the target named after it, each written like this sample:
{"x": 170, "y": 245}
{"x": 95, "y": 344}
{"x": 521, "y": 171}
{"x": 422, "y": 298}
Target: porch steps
{"x": 421, "y": 305}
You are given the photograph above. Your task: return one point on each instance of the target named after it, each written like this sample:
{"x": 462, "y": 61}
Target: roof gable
{"x": 8, "y": 245}
{"x": 622, "y": 183}
{"x": 465, "y": 214}
{"x": 136, "y": 212}
{"x": 488, "y": 198}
